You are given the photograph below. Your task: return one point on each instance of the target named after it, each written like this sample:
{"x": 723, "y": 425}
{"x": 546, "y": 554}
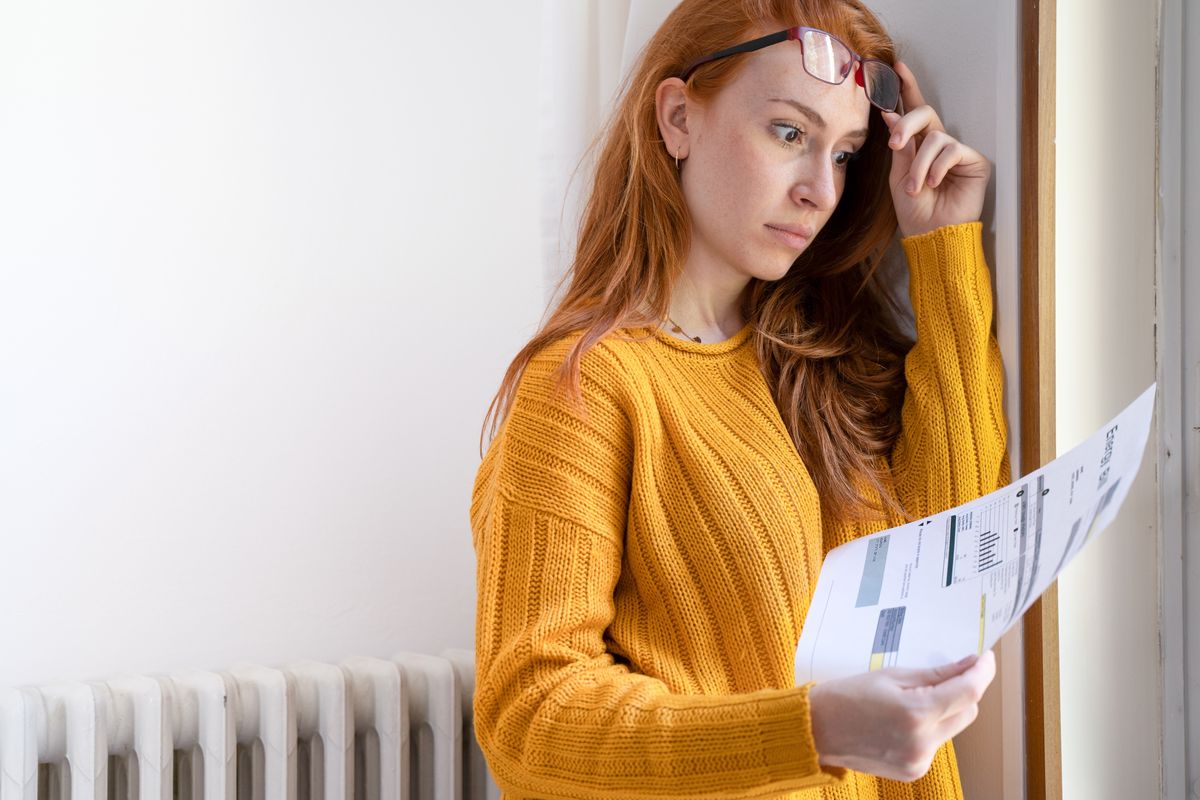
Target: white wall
{"x": 1105, "y": 329}
{"x": 261, "y": 267}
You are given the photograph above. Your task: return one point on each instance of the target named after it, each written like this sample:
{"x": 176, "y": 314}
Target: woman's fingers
{"x": 965, "y": 689}
{"x": 945, "y": 161}
{"x": 945, "y": 690}
{"x": 911, "y": 678}
{"x": 933, "y": 155}
{"x": 925, "y": 155}
{"x": 936, "y": 156}
{"x": 919, "y": 121}
{"x": 891, "y": 722}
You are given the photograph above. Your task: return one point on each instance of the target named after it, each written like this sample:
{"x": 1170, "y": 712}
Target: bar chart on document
{"x": 934, "y": 590}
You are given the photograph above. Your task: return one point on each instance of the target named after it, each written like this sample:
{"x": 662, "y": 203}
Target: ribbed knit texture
{"x": 644, "y": 570}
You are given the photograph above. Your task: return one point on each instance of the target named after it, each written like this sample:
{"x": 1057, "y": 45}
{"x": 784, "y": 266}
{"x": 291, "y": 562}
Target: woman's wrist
{"x": 816, "y": 716}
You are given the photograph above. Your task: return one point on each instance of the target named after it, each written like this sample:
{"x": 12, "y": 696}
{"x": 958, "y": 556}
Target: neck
{"x": 707, "y": 303}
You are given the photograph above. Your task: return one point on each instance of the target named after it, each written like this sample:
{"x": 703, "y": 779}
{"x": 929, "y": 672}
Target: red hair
{"x": 826, "y": 333}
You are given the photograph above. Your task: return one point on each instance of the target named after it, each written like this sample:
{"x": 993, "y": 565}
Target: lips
{"x": 794, "y": 236}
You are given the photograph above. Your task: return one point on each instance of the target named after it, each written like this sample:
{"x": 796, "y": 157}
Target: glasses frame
{"x": 796, "y": 34}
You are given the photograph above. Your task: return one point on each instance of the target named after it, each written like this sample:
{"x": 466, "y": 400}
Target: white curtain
{"x": 588, "y": 48}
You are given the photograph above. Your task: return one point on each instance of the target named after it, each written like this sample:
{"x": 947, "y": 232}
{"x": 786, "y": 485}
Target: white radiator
{"x": 365, "y": 729}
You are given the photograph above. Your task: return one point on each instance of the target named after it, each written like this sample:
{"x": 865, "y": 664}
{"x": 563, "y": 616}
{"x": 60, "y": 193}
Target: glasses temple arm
{"x": 744, "y": 47}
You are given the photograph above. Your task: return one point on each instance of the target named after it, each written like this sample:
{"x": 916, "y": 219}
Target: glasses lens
{"x": 882, "y": 84}
{"x": 825, "y": 58}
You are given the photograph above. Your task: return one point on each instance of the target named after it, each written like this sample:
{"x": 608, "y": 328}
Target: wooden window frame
{"x": 1043, "y": 737}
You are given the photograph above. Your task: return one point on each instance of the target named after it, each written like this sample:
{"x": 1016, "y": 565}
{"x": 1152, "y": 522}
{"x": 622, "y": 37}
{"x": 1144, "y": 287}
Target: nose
{"x": 815, "y": 187}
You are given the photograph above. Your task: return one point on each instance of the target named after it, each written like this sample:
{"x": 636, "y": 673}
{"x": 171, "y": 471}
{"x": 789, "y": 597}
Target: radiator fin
{"x": 364, "y": 729}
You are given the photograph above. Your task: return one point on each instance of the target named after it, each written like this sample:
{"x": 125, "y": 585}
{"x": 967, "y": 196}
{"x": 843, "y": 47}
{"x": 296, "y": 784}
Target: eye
{"x": 847, "y": 156}
{"x": 792, "y": 135}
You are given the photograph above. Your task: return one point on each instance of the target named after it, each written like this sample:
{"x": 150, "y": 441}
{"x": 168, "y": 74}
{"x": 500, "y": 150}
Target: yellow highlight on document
{"x": 982, "y": 614}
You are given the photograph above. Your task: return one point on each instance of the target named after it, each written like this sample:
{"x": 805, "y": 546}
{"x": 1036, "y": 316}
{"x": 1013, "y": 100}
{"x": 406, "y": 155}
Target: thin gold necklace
{"x": 678, "y": 329}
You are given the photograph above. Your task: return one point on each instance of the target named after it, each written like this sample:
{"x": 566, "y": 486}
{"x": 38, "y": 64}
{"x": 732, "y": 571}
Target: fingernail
{"x": 910, "y": 185}
{"x": 967, "y": 660}
{"x": 895, "y": 140}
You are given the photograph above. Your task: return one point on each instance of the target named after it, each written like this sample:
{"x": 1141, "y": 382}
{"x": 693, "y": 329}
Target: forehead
{"x": 778, "y": 71}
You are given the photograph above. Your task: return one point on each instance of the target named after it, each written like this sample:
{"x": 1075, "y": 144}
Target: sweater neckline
{"x": 711, "y": 349}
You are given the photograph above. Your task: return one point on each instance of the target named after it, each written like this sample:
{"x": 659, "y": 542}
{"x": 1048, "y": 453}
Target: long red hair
{"x": 826, "y": 334}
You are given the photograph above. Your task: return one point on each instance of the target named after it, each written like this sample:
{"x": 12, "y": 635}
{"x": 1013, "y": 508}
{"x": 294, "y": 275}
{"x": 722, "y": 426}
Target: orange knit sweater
{"x": 644, "y": 570}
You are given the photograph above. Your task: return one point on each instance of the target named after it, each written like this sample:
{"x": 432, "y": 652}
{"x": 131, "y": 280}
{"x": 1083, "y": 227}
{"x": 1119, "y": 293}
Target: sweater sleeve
{"x": 556, "y": 715}
{"x": 953, "y": 443}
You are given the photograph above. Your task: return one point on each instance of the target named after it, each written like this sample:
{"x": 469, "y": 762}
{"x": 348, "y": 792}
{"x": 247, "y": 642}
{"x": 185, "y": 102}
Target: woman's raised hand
{"x": 948, "y": 180}
{"x": 891, "y": 722}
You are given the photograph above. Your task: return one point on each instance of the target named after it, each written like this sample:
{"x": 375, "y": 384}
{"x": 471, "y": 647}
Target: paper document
{"x": 935, "y": 590}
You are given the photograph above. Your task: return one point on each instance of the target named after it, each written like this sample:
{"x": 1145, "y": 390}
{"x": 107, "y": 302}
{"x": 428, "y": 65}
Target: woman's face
{"x": 767, "y": 155}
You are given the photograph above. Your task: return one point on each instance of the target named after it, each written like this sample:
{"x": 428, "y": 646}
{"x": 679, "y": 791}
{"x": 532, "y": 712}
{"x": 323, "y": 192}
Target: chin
{"x": 779, "y": 269}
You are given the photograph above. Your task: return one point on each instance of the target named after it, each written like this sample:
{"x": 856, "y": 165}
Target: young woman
{"x": 722, "y": 396}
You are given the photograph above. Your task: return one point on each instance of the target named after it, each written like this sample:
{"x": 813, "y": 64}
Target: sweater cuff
{"x": 932, "y": 247}
{"x": 947, "y": 273}
{"x": 808, "y": 742}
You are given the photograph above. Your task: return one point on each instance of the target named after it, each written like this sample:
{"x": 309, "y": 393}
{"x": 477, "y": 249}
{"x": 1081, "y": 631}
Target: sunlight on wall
{"x": 1104, "y": 261}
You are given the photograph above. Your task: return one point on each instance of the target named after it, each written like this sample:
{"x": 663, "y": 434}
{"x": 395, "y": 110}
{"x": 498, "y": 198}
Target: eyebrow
{"x": 817, "y": 119}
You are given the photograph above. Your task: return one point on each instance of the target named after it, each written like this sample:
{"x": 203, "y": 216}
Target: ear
{"x": 672, "y": 107}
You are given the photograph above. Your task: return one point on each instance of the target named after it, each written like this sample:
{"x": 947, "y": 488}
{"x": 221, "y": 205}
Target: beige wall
{"x": 1105, "y": 261}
